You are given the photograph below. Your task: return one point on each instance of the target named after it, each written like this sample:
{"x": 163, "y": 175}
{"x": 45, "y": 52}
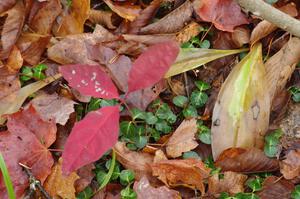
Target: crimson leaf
{"x": 91, "y": 138}
{"x": 152, "y": 65}
{"x": 90, "y": 80}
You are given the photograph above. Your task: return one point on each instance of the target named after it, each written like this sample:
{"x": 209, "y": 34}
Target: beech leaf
{"x": 191, "y": 58}
{"x": 91, "y": 138}
{"x": 241, "y": 121}
{"x": 90, "y": 80}
{"x": 152, "y": 65}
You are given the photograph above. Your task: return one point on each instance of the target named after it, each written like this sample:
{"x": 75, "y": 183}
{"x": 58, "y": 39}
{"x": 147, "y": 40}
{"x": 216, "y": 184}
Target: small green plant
{"x": 37, "y": 72}
{"x": 295, "y": 91}
{"x": 6, "y": 178}
{"x": 191, "y": 154}
{"x": 255, "y": 184}
{"x": 272, "y": 140}
{"x": 296, "y": 193}
{"x": 196, "y": 43}
{"x": 239, "y": 196}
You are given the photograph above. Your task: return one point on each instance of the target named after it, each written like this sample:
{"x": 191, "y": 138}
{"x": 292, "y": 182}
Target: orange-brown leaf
{"x": 14, "y": 61}
{"x": 104, "y": 18}
{"x": 290, "y": 167}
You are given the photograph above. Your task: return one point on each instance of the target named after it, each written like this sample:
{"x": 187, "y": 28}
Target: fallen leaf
{"x": 144, "y": 190}
{"x": 129, "y": 12}
{"x": 243, "y": 120}
{"x": 189, "y": 173}
{"x": 171, "y": 23}
{"x": 159, "y": 58}
{"x": 276, "y": 188}
{"x": 249, "y": 160}
{"x": 290, "y": 166}
{"x": 12, "y": 102}
{"x": 231, "y": 183}
{"x": 138, "y": 162}
{"x": 32, "y": 46}
{"x": 86, "y": 175}
{"x": 87, "y": 141}
{"x": 12, "y": 28}
{"x": 6, "y": 5}
{"x": 53, "y": 107}
{"x": 149, "y": 39}
{"x": 43, "y": 19}
{"x": 224, "y": 14}
{"x": 183, "y": 139}
{"x": 188, "y": 32}
{"x": 72, "y": 19}
{"x": 90, "y": 80}
{"x": 59, "y": 186}
{"x": 14, "y": 61}
{"x": 191, "y": 58}
{"x": 264, "y": 28}
{"x": 290, "y": 123}
{"x": 240, "y": 36}
{"x": 280, "y": 66}
{"x": 104, "y": 18}
{"x": 159, "y": 156}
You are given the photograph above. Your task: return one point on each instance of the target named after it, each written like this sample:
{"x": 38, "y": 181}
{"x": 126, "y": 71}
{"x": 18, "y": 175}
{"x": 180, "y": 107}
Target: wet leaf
{"x": 290, "y": 166}
{"x": 250, "y": 160}
{"x": 191, "y": 58}
{"x": 183, "y": 139}
{"x": 88, "y": 142}
{"x": 243, "y": 120}
{"x": 129, "y": 12}
{"x": 58, "y": 185}
{"x": 224, "y": 14}
{"x": 189, "y": 173}
{"x": 159, "y": 58}
{"x": 90, "y": 80}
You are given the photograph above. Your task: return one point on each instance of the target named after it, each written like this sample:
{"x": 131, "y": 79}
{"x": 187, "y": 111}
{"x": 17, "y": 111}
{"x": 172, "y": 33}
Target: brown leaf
{"x": 290, "y": 124}
{"x": 43, "y": 19}
{"x": 104, "y": 18}
{"x": 240, "y": 36}
{"x": 9, "y": 82}
{"x": 183, "y": 139}
{"x": 32, "y": 46}
{"x": 53, "y": 107}
{"x": 231, "y": 183}
{"x": 7, "y": 4}
{"x": 290, "y": 167}
{"x": 264, "y": 27}
{"x": 276, "y": 188}
{"x": 171, "y": 23}
{"x": 138, "y": 162}
{"x": 251, "y": 160}
{"x": 72, "y": 19}
{"x": 281, "y": 65}
{"x": 149, "y": 39}
{"x": 279, "y": 107}
{"x": 14, "y": 61}
{"x": 86, "y": 175}
{"x": 188, "y": 32}
{"x": 159, "y": 156}
{"x": 12, "y": 28}
{"x": 189, "y": 173}
{"x": 144, "y": 190}
{"x": 60, "y": 186}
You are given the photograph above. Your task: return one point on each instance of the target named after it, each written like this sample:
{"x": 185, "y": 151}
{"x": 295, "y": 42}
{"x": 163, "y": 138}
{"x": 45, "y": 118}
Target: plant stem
{"x": 271, "y": 14}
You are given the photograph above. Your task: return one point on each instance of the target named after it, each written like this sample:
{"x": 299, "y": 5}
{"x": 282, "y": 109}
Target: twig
{"x": 271, "y": 14}
{"x": 34, "y": 182}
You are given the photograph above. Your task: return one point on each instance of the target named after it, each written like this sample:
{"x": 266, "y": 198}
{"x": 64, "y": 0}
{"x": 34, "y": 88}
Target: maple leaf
{"x": 90, "y": 80}
{"x": 91, "y": 138}
{"x": 152, "y": 65}
{"x": 224, "y": 14}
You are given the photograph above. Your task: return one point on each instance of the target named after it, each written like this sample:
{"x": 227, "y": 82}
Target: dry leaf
{"x": 290, "y": 167}
{"x": 60, "y": 186}
{"x": 183, "y": 139}
{"x": 144, "y": 190}
{"x": 14, "y": 61}
{"x": 231, "y": 183}
{"x": 240, "y": 36}
{"x": 138, "y": 162}
{"x": 53, "y": 107}
{"x": 86, "y": 175}
{"x": 104, "y": 18}
{"x": 290, "y": 124}
{"x": 251, "y": 160}
{"x": 188, "y": 32}
{"x": 9, "y": 83}
{"x": 7, "y": 4}
{"x": 189, "y": 173}
{"x": 159, "y": 156}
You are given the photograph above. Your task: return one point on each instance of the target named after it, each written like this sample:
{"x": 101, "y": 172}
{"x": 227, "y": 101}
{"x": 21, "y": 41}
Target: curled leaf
{"x": 241, "y": 121}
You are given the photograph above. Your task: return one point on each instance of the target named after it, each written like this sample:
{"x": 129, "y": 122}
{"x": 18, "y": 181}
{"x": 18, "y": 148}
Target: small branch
{"x": 271, "y": 14}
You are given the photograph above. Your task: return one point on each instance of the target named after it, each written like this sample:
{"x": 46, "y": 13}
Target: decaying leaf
{"x": 11, "y": 103}
{"x": 159, "y": 156}
{"x": 243, "y": 120}
{"x": 250, "y": 160}
{"x": 290, "y": 124}
{"x": 86, "y": 175}
{"x": 290, "y": 167}
{"x": 72, "y": 19}
{"x": 280, "y": 66}
{"x": 104, "y": 18}
{"x": 231, "y": 183}
{"x": 276, "y": 188}
{"x": 171, "y": 23}
{"x": 60, "y": 186}
{"x": 14, "y": 61}
{"x": 189, "y": 31}
{"x": 53, "y": 107}
{"x": 183, "y": 139}
{"x": 144, "y": 190}
{"x": 191, "y": 58}
{"x": 87, "y": 141}
{"x": 138, "y": 162}
{"x": 189, "y": 173}
{"x": 5, "y": 5}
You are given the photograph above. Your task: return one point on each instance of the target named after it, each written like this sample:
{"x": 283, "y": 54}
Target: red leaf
{"x": 91, "y": 138}
{"x": 224, "y": 14}
{"x": 151, "y": 65}
{"x": 90, "y": 80}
